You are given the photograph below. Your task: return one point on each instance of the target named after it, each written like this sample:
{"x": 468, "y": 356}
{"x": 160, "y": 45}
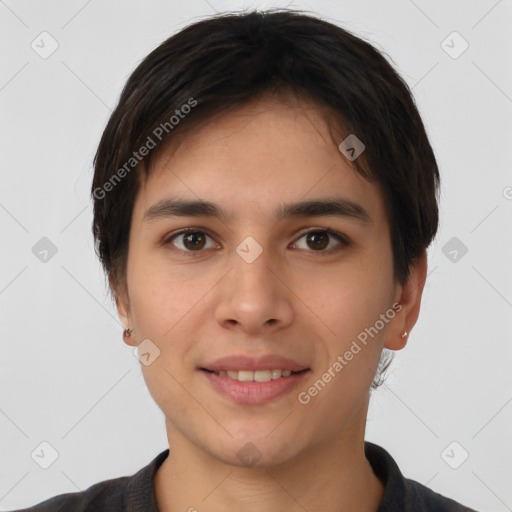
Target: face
{"x": 260, "y": 285}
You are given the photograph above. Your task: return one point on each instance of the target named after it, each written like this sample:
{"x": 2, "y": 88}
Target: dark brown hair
{"x": 228, "y": 60}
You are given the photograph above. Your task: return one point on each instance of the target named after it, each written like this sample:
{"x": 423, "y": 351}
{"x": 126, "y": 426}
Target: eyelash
{"x": 341, "y": 238}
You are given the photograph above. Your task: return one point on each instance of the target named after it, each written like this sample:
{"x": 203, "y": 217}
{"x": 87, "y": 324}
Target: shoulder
{"x": 421, "y": 498}
{"x": 102, "y": 496}
{"x": 402, "y": 494}
{"x": 134, "y": 493}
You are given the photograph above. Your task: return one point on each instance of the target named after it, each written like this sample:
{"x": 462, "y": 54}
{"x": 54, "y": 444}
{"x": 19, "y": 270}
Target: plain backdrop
{"x": 67, "y": 378}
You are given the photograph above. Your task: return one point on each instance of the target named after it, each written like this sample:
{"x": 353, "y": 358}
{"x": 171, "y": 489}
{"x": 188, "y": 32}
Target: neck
{"x": 329, "y": 476}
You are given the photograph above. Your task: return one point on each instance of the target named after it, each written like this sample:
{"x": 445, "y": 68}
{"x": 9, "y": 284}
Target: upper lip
{"x": 243, "y": 362}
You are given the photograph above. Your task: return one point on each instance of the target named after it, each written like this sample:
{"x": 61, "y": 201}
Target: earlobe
{"x": 410, "y": 301}
{"x": 397, "y": 336}
{"x": 128, "y": 338}
{"x": 124, "y": 316}
{"x": 123, "y": 311}
{"x": 125, "y": 320}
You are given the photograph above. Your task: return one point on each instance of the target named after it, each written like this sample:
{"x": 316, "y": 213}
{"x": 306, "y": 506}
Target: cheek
{"x": 169, "y": 310}
{"x": 351, "y": 304}
{"x": 349, "y": 298}
{"x": 160, "y": 296}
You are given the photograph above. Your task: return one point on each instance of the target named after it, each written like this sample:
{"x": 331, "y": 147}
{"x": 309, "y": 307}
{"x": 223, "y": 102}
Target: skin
{"x": 208, "y": 304}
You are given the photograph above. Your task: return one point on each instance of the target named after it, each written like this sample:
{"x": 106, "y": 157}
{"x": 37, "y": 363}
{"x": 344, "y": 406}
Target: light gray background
{"x": 68, "y": 379}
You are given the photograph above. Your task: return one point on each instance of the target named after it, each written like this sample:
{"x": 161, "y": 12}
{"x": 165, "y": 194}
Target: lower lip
{"x": 254, "y": 392}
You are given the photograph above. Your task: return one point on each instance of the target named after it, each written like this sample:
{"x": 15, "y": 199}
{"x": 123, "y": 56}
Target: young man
{"x": 264, "y": 194}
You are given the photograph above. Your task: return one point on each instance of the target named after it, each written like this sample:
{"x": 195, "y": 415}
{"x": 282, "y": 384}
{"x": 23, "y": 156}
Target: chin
{"x": 255, "y": 451}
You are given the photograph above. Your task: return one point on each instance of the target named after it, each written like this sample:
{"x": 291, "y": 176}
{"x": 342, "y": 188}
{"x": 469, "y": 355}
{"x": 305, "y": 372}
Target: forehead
{"x": 255, "y": 157}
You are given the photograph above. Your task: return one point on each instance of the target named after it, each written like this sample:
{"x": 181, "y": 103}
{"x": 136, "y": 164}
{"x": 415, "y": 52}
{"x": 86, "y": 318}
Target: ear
{"x": 123, "y": 307}
{"x": 408, "y": 296}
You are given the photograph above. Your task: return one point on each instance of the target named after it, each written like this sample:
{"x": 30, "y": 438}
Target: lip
{"x": 243, "y": 362}
{"x": 254, "y": 392}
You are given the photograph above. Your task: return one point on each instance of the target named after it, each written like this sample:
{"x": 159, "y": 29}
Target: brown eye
{"x": 193, "y": 241}
{"x": 189, "y": 241}
{"x": 317, "y": 240}
{"x": 321, "y": 240}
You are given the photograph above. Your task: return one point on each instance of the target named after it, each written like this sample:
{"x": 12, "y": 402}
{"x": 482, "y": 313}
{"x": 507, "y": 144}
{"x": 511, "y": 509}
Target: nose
{"x": 254, "y": 298}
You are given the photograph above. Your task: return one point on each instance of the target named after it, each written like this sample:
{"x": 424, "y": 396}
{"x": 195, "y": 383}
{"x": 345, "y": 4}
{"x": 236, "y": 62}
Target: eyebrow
{"x": 340, "y": 207}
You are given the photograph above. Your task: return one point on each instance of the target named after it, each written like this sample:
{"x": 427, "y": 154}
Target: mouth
{"x": 244, "y": 380}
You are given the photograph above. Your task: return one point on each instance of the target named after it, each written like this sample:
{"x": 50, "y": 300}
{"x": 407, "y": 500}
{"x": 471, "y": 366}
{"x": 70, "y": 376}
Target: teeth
{"x": 244, "y": 376}
{"x": 262, "y": 376}
{"x": 258, "y": 376}
{"x": 276, "y": 374}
